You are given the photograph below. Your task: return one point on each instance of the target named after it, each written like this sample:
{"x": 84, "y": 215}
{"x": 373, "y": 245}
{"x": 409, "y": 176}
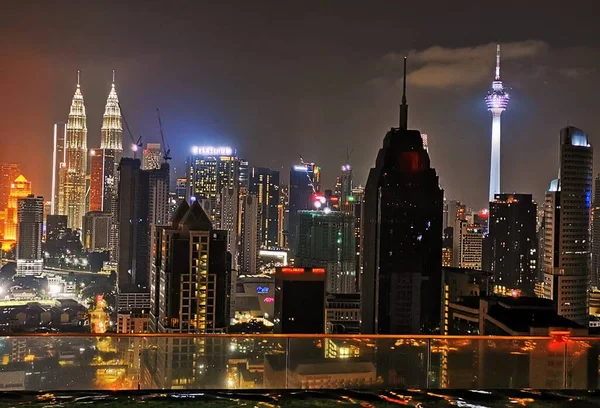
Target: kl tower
{"x": 497, "y": 101}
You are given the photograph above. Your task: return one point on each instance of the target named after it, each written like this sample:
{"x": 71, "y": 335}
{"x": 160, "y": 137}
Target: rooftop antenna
{"x": 113, "y": 77}
{"x": 77, "y": 78}
{"x": 404, "y": 106}
{"x": 497, "y": 62}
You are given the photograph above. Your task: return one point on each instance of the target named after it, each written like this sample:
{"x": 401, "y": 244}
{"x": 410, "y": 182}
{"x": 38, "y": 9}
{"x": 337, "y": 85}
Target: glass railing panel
{"x": 582, "y": 363}
{"x": 217, "y": 362}
{"x": 356, "y": 362}
{"x": 497, "y": 363}
{"x": 245, "y": 362}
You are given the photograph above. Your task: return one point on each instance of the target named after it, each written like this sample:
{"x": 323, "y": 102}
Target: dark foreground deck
{"x": 290, "y": 398}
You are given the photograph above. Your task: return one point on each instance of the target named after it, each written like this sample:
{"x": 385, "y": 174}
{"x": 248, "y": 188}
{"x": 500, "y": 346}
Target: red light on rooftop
{"x": 292, "y": 270}
{"x": 318, "y": 270}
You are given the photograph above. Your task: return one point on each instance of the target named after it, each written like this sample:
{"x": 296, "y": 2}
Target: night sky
{"x": 281, "y": 79}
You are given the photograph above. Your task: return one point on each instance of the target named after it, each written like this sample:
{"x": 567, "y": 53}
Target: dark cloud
{"x": 442, "y": 67}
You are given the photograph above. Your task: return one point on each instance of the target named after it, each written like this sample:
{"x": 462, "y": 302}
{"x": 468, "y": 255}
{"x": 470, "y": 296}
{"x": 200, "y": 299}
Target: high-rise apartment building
{"x": 29, "y": 244}
{"x": 96, "y": 231}
{"x": 191, "y": 275}
{"x": 595, "y": 272}
{"x": 210, "y": 169}
{"x": 244, "y": 174}
{"x": 566, "y": 230}
{"x": 152, "y": 157}
{"x": 230, "y": 217}
{"x": 357, "y": 200}
{"x": 344, "y": 187}
{"x": 250, "y": 235}
{"x": 513, "y": 242}
{"x": 8, "y": 173}
{"x": 402, "y": 245}
{"x": 283, "y": 216}
{"x": 467, "y": 245}
{"x": 58, "y": 162}
{"x": 143, "y": 201}
{"x": 19, "y": 188}
{"x": 190, "y": 293}
{"x": 304, "y": 183}
{"x": 180, "y": 189}
{"x": 326, "y": 240}
{"x": 72, "y": 185}
{"x": 264, "y": 184}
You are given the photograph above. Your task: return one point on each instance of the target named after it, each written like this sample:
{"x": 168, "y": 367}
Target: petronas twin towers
{"x": 75, "y": 195}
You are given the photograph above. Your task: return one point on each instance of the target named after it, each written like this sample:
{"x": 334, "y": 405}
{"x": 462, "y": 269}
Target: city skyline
{"x": 325, "y": 111}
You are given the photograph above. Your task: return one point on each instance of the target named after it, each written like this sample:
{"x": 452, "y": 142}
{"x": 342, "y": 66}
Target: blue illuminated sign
{"x": 262, "y": 289}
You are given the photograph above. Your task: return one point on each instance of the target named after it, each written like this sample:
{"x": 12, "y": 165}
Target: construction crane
{"x": 135, "y": 145}
{"x": 166, "y": 149}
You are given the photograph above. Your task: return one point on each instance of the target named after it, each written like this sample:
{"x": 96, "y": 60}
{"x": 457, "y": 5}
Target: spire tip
{"x": 404, "y": 106}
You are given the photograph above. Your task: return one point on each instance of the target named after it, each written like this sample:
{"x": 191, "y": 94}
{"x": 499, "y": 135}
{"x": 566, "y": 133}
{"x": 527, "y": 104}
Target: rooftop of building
{"x": 467, "y": 271}
{"x": 522, "y": 314}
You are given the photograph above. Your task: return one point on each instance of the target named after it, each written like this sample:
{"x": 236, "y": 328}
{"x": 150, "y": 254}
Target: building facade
{"x": 210, "y": 169}
{"x": 566, "y": 230}
{"x": 304, "y": 183}
{"x": 152, "y": 157}
{"x": 143, "y": 202}
{"x": 96, "y": 231}
{"x": 264, "y": 183}
{"x": 595, "y": 272}
{"x": 19, "y": 188}
{"x": 467, "y": 245}
{"x": 402, "y": 245}
{"x": 326, "y": 240}
{"x": 250, "y": 235}
{"x": 72, "y": 180}
{"x": 513, "y": 241}
{"x": 29, "y": 244}
{"x": 58, "y": 162}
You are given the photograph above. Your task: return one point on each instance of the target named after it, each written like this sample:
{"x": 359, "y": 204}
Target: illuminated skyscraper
{"x": 152, "y": 157}
{"x": 8, "y": 173}
{"x": 73, "y": 184}
{"x": 19, "y": 188}
{"x": 211, "y": 169}
{"x": 96, "y": 193}
{"x": 497, "y": 101}
{"x": 402, "y": 230}
{"x": 112, "y": 127}
{"x": 304, "y": 182}
{"x": 264, "y": 183}
{"x": 566, "y": 230}
{"x": 58, "y": 162}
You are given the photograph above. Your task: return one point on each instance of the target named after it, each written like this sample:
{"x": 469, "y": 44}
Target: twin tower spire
{"x": 112, "y": 128}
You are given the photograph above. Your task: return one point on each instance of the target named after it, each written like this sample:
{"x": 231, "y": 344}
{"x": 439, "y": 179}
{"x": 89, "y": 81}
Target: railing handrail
{"x": 299, "y": 336}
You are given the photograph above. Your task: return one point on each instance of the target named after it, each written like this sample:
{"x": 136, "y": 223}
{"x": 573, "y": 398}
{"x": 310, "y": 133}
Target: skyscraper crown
{"x": 112, "y": 127}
